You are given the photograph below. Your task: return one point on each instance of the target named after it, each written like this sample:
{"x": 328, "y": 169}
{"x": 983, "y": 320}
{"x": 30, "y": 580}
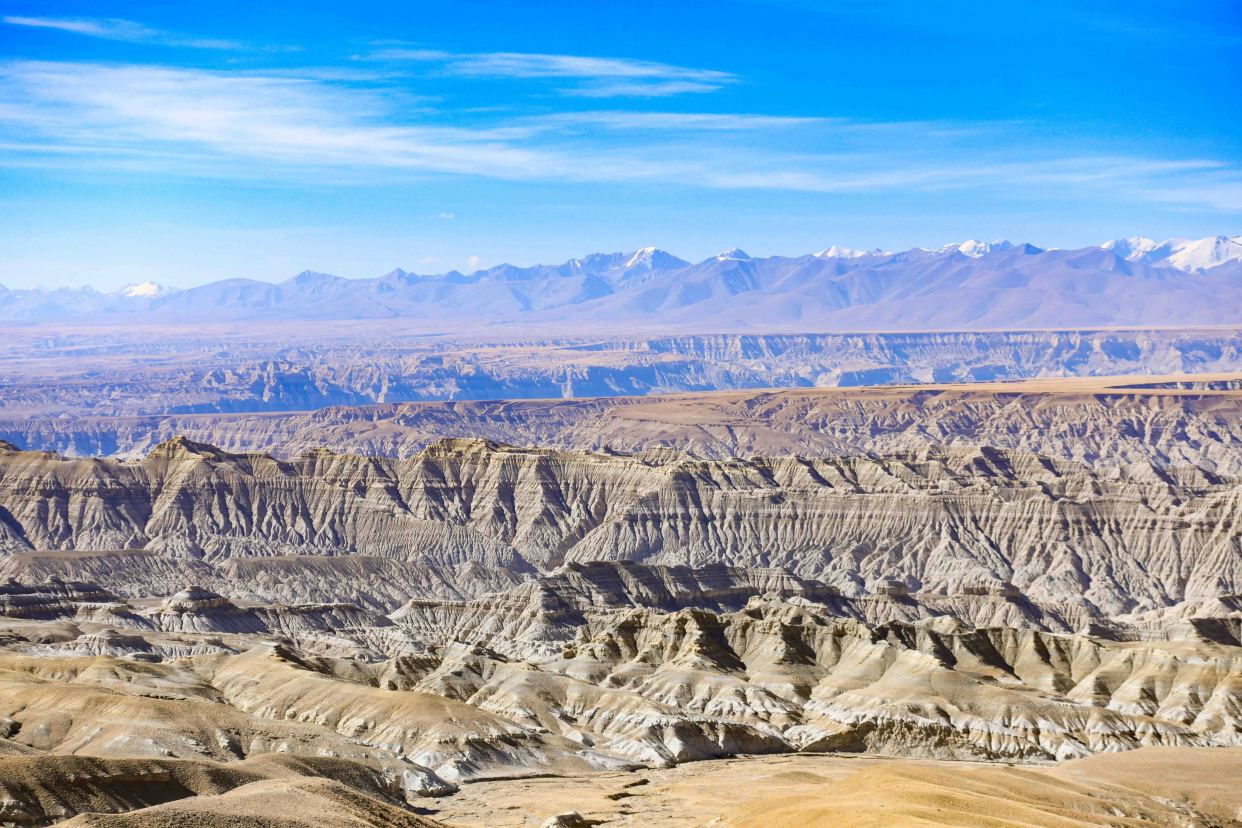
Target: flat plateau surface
{"x": 839, "y": 790}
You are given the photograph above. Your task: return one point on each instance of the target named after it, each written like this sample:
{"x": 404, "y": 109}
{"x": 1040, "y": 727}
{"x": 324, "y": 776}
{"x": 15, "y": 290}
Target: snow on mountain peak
{"x": 836, "y": 251}
{"x": 642, "y": 256}
{"x": 1190, "y": 255}
{"x": 1206, "y": 253}
{"x": 1131, "y": 248}
{"x": 653, "y": 258}
{"x": 733, "y": 254}
{"x": 975, "y": 248}
{"x": 142, "y": 290}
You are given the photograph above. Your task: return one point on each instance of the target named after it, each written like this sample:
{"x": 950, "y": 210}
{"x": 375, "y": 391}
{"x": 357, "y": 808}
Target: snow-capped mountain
{"x": 1132, "y": 249}
{"x": 652, "y": 258}
{"x": 143, "y": 290}
{"x": 975, "y": 248}
{"x": 838, "y": 252}
{"x": 1206, "y": 253}
{"x": 971, "y": 284}
{"x": 1190, "y": 255}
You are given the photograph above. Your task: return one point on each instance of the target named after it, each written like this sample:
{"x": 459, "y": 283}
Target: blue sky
{"x": 191, "y": 142}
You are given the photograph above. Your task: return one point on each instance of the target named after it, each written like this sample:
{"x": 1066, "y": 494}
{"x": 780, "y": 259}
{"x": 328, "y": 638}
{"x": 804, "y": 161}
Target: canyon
{"x": 53, "y": 373}
{"x": 823, "y": 605}
{"x": 1142, "y": 535}
{"x": 197, "y": 706}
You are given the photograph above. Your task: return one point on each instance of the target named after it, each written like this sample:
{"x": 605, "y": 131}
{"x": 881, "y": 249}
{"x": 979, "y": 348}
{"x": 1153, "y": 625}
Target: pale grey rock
{"x": 932, "y": 521}
{"x": 627, "y": 685}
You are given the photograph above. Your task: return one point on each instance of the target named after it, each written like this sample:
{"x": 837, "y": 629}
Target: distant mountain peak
{"x": 1190, "y": 255}
{"x": 313, "y": 277}
{"x": 976, "y": 249}
{"x": 1010, "y": 285}
{"x": 1131, "y": 248}
{"x": 143, "y": 290}
{"x": 836, "y": 251}
{"x": 653, "y": 258}
{"x": 1204, "y": 254}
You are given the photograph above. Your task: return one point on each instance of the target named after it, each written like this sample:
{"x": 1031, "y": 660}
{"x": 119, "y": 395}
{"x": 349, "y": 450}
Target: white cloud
{"x": 722, "y": 122}
{"x": 638, "y": 89}
{"x": 472, "y": 264}
{"x": 282, "y": 126}
{"x": 112, "y": 28}
{"x": 598, "y": 77}
{"x": 281, "y": 119}
{"x": 446, "y": 216}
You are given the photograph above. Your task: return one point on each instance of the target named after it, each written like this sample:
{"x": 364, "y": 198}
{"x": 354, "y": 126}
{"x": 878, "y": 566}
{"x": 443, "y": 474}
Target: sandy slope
{"x": 318, "y": 803}
{"x": 1151, "y": 786}
{"x": 1147, "y": 787}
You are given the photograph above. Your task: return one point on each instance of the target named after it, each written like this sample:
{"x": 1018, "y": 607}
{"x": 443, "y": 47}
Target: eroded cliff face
{"x": 939, "y": 520}
{"x": 1103, "y": 423}
{"x": 132, "y": 370}
{"x": 197, "y": 676}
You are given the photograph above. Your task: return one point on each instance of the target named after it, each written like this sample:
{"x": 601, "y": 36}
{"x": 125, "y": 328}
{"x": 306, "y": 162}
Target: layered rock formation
{"x": 201, "y": 635}
{"x": 478, "y": 515}
{"x": 156, "y": 373}
{"x": 196, "y": 708}
{"x": 44, "y": 789}
{"x": 1105, "y": 423}
{"x": 606, "y": 684}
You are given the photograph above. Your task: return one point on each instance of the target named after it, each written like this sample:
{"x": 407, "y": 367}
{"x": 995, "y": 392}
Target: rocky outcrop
{"x": 49, "y": 599}
{"x": 1105, "y": 423}
{"x": 935, "y": 521}
{"x": 622, "y": 685}
{"x": 42, "y": 790}
{"x": 80, "y": 390}
{"x": 540, "y": 617}
{"x": 364, "y": 580}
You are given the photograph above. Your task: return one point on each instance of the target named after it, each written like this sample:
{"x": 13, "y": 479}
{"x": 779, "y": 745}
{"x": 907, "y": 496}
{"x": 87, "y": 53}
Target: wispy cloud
{"x": 623, "y": 120}
{"x": 596, "y": 77}
{"x": 279, "y": 119}
{"x": 112, "y": 28}
{"x": 306, "y": 128}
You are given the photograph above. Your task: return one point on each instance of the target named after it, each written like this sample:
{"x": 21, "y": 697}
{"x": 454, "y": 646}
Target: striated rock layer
{"x": 197, "y": 708}
{"x": 1103, "y": 422}
{"x": 199, "y": 677}
{"x": 99, "y": 371}
{"x": 470, "y": 516}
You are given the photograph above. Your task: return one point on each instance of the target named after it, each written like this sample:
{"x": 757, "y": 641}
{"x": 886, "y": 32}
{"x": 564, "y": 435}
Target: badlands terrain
{"x": 199, "y": 709}
{"x": 1182, "y": 420}
{"x": 999, "y": 604}
{"x": 58, "y": 373}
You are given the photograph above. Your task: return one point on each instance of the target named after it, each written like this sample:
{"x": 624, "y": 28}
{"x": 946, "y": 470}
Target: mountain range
{"x": 1132, "y": 281}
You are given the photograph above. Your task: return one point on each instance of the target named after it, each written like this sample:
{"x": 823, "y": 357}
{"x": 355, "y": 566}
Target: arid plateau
{"x": 991, "y": 604}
